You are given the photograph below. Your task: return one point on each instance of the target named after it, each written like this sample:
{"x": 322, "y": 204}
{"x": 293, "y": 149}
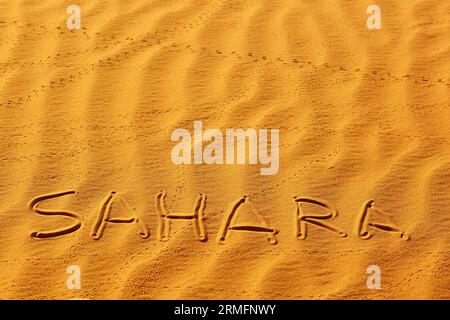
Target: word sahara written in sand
{"x": 364, "y": 227}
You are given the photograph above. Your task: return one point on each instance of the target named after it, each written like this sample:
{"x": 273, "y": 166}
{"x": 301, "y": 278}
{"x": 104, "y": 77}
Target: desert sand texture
{"x": 88, "y": 113}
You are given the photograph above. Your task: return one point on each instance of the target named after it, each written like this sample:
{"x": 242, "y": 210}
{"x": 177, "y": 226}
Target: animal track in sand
{"x": 142, "y": 44}
{"x": 139, "y": 46}
{"x": 87, "y": 70}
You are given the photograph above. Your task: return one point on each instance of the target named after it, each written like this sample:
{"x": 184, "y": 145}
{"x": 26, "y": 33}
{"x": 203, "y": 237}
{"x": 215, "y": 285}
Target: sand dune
{"x": 363, "y": 114}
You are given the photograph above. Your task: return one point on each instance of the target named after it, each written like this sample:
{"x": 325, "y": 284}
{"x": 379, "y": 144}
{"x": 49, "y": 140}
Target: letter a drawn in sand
{"x": 229, "y": 223}
{"x": 46, "y": 212}
{"x": 104, "y": 217}
{"x": 165, "y": 217}
{"x": 302, "y": 218}
{"x": 363, "y": 224}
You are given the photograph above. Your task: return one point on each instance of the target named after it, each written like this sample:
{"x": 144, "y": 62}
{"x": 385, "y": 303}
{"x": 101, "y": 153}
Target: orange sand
{"x": 362, "y": 115}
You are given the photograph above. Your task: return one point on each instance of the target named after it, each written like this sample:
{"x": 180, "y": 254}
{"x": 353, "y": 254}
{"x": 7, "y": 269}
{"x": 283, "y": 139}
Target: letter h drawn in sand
{"x": 363, "y": 225}
{"x": 165, "y": 217}
{"x": 229, "y": 223}
{"x": 302, "y": 218}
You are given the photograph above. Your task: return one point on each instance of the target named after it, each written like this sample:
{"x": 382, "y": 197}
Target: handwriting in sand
{"x": 303, "y": 219}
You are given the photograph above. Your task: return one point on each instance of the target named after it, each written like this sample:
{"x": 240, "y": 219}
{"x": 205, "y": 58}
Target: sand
{"x": 363, "y": 115}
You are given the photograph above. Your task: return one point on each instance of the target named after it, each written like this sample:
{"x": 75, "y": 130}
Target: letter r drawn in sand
{"x": 302, "y": 219}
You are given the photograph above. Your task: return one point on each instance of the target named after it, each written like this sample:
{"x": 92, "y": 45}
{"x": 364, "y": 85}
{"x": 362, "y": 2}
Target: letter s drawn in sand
{"x": 33, "y": 205}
